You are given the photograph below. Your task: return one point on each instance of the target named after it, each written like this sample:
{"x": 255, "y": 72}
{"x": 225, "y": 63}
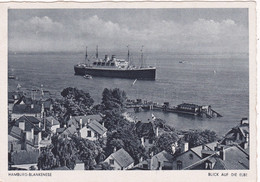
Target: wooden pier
{"x": 184, "y": 108}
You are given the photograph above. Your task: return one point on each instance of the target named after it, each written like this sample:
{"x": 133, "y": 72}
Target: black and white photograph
{"x": 129, "y": 89}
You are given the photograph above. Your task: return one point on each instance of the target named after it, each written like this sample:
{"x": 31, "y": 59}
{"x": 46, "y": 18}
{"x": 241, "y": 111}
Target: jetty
{"x": 184, "y": 108}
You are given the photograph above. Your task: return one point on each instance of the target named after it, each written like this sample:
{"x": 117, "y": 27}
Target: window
{"x": 89, "y": 133}
{"x": 179, "y": 165}
{"x": 111, "y": 161}
{"x": 145, "y": 166}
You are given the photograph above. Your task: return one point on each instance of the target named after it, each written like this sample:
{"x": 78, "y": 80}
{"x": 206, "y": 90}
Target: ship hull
{"x": 143, "y": 73}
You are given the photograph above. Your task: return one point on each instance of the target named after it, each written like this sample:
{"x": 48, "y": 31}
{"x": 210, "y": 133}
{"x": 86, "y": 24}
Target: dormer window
{"x": 191, "y": 156}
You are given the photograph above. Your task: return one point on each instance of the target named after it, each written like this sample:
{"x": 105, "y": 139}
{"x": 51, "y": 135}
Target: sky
{"x": 172, "y": 30}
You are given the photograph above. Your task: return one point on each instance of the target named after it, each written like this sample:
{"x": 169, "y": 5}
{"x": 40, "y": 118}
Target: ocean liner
{"x": 114, "y": 67}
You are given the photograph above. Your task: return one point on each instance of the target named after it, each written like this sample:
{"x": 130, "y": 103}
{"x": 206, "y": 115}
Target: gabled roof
{"x": 70, "y": 130}
{"x": 11, "y": 96}
{"x": 15, "y": 132}
{"x": 75, "y": 120}
{"x": 27, "y": 109}
{"x": 163, "y": 156}
{"x": 235, "y": 158}
{"x": 198, "y": 149}
{"x": 97, "y": 127}
{"x": 30, "y": 122}
{"x": 60, "y": 130}
{"x": 50, "y": 119}
{"x": 122, "y": 158}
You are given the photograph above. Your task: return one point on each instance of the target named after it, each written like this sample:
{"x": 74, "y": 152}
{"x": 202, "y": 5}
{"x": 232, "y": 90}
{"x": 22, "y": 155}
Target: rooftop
{"x": 122, "y": 158}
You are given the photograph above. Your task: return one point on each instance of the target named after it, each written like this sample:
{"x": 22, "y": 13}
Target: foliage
{"x": 114, "y": 120}
{"x": 197, "y": 137}
{"x": 46, "y": 160}
{"x": 88, "y": 152}
{"x": 165, "y": 142}
{"x": 113, "y": 99}
{"x": 106, "y": 166}
{"x": 63, "y": 151}
{"x": 75, "y": 102}
{"x": 126, "y": 138}
{"x": 162, "y": 124}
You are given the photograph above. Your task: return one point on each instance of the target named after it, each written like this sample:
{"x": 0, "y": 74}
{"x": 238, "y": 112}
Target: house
{"x": 31, "y": 127}
{"x": 238, "y": 135}
{"x": 120, "y": 160}
{"x": 76, "y": 120}
{"x": 13, "y": 97}
{"x": 92, "y": 130}
{"x": 225, "y": 158}
{"x": 193, "y": 155}
{"x": 33, "y": 109}
{"x": 71, "y": 130}
{"x": 17, "y": 141}
{"x": 52, "y": 123}
{"x": 161, "y": 161}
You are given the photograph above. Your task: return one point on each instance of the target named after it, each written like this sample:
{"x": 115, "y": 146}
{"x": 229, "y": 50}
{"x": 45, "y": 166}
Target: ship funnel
{"x": 113, "y": 57}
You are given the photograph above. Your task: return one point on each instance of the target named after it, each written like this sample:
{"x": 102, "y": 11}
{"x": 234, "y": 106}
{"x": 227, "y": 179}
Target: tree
{"x": 75, "y": 102}
{"x": 197, "y": 137}
{"x": 64, "y": 151}
{"x": 87, "y": 151}
{"x": 46, "y": 160}
{"x": 113, "y": 99}
{"x": 165, "y": 142}
{"x": 125, "y": 137}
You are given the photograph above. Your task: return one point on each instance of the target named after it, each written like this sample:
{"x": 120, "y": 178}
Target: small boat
{"x": 11, "y": 77}
{"x": 88, "y": 77}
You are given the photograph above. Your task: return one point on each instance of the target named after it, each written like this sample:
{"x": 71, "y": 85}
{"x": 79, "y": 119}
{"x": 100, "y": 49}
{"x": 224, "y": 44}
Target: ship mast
{"x": 142, "y": 57}
{"x": 97, "y": 52}
{"x": 128, "y": 54}
{"x": 86, "y": 56}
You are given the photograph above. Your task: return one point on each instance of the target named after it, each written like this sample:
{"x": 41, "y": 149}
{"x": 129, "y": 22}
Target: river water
{"x": 221, "y": 81}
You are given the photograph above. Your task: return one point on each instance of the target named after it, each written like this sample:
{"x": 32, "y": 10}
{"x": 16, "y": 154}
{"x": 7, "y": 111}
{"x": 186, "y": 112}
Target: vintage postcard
{"x": 124, "y": 91}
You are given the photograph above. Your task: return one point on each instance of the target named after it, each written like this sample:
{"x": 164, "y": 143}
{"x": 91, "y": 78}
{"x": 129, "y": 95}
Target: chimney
{"x": 65, "y": 126}
{"x": 80, "y": 123}
{"x": 114, "y": 150}
{"x": 247, "y": 137}
{"x": 39, "y": 137}
{"x": 70, "y": 116}
{"x": 142, "y": 141}
{"x": 173, "y": 148}
{"x": 151, "y": 154}
{"x": 103, "y": 124}
{"x": 157, "y": 131}
{"x": 222, "y": 153}
{"x": 15, "y": 97}
{"x": 44, "y": 121}
{"x": 22, "y": 125}
{"x": 141, "y": 159}
{"x": 32, "y": 106}
{"x": 32, "y": 132}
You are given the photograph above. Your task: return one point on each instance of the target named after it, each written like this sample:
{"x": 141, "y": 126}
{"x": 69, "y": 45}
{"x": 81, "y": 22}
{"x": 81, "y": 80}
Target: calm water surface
{"x": 219, "y": 81}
